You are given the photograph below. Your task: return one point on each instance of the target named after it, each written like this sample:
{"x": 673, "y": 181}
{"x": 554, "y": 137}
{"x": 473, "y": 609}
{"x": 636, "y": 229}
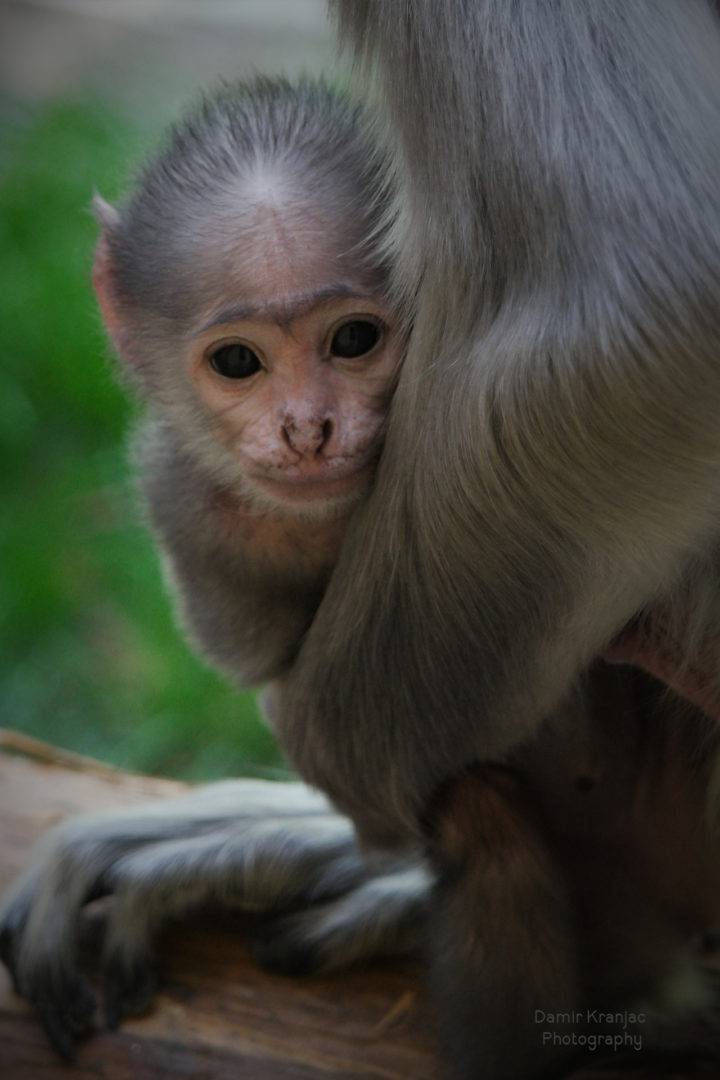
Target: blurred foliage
{"x": 90, "y": 658}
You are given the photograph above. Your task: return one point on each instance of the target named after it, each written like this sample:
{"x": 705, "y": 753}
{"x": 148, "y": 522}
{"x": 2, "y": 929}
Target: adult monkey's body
{"x": 558, "y": 242}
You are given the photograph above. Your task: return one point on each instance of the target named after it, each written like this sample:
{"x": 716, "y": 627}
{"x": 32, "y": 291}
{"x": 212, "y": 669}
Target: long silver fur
{"x": 552, "y": 463}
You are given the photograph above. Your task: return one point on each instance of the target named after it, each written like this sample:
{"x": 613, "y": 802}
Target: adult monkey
{"x": 552, "y": 464}
{"x": 558, "y": 246}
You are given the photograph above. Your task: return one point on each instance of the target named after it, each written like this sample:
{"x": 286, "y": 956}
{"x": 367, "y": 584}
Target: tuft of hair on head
{"x": 306, "y": 142}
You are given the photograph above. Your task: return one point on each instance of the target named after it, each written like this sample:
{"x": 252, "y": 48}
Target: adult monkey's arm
{"x": 553, "y": 454}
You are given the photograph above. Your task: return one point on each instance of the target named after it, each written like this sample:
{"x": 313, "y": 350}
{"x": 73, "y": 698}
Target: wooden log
{"x": 217, "y": 1017}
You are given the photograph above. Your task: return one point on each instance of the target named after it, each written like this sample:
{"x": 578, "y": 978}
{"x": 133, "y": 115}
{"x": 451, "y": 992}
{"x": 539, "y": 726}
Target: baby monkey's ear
{"x": 104, "y": 213}
{"x": 103, "y": 278}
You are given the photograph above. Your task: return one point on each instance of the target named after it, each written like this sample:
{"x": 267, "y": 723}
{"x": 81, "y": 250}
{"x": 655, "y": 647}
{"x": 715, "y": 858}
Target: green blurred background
{"x": 90, "y": 658}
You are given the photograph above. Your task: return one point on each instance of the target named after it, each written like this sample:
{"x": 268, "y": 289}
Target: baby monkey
{"x": 244, "y": 298}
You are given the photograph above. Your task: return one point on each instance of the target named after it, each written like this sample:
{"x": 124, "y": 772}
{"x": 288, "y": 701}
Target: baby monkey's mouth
{"x": 313, "y": 478}
{"x": 326, "y": 480}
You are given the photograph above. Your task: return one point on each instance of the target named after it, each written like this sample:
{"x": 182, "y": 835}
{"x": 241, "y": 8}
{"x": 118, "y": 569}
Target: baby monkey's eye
{"x": 354, "y": 338}
{"x": 235, "y": 361}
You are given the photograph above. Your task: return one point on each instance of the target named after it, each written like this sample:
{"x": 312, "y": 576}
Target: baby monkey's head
{"x": 244, "y": 285}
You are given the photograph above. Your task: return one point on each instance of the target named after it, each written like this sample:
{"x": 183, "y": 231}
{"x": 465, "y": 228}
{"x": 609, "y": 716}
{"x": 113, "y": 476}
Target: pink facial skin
{"x": 305, "y": 427}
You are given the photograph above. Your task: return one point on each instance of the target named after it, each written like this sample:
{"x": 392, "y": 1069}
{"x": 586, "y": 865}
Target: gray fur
{"x": 176, "y": 230}
{"x": 558, "y": 245}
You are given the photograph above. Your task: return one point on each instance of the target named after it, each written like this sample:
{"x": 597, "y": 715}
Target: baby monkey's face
{"x": 265, "y": 339}
{"x": 296, "y": 386}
